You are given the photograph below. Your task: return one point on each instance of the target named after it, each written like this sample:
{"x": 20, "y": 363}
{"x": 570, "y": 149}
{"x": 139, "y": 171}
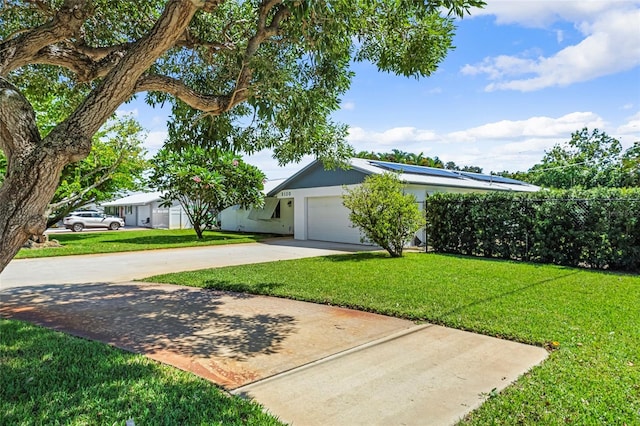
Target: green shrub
{"x": 386, "y": 216}
{"x": 598, "y": 228}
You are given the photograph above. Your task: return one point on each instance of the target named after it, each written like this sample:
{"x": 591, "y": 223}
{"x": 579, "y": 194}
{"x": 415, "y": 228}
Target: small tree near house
{"x": 386, "y": 215}
{"x": 205, "y": 182}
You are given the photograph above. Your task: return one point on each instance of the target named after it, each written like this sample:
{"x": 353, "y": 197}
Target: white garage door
{"x": 328, "y": 220}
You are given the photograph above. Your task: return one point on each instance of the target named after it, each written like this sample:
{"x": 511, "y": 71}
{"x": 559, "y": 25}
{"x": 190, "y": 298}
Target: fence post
{"x": 426, "y": 236}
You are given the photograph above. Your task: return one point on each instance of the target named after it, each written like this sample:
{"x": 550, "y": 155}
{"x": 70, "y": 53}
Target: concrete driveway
{"x": 308, "y": 364}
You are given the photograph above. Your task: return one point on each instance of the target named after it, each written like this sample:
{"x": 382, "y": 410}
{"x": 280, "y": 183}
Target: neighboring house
{"x": 275, "y": 217}
{"x": 310, "y": 202}
{"x": 143, "y": 209}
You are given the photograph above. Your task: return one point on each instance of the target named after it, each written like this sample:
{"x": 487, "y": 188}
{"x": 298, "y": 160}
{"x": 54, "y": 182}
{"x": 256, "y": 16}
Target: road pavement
{"x": 119, "y": 267}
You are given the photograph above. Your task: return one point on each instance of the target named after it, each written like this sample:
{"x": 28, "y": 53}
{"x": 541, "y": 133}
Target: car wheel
{"x": 114, "y": 226}
{"x": 77, "y": 227}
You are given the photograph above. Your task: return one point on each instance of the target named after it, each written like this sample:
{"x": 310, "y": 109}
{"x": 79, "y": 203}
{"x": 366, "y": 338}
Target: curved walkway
{"x": 308, "y": 364}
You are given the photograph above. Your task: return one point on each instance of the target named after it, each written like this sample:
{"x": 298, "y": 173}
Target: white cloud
{"x": 391, "y": 136}
{"x": 155, "y": 140}
{"x": 349, "y": 106}
{"x": 611, "y": 44}
{"x": 531, "y": 127}
{"x": 269, "y": 166}
{"x": 543, "y": 13}
{"x": 631, "y": 127}
{"x": 503, "y": 145}
{"x": 127, "y": 112}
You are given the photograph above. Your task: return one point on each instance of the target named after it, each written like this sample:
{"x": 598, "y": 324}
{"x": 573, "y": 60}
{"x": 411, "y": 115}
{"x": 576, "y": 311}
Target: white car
{"x": 77, "y": 221}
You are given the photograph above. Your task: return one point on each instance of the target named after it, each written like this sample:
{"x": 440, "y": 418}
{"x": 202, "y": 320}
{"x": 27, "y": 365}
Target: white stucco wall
{"x": 237, "y": 219}
{"x": 294, "y": 216}
{"x": 340, "y": 222}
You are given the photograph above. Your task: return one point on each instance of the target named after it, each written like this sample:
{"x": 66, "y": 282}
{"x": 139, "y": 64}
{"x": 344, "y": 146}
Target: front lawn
{"x": 92, "y": 242}
{"x": 593, "y": 377}
{"x": 47, "y": 377}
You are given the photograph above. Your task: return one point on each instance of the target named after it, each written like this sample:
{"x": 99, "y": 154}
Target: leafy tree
{"x": 402, "y": 157}
{"x": 114, "y": 165}
{"x": 3, "y": 167}
{"x": 453, "y": 166}
{"x": 386, "y": 215}
{"x": 205, "y": 182}
{"x": 631, "y": 166}
{"x": 279, "y": 65}
{"x": 588, "y": 160}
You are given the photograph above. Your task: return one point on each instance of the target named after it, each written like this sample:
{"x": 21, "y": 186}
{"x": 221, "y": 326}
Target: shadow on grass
{"x": 156, "y": 236}
{"x": 536, "y": 264}
{"x": 148, "y": 319}
{"x": 52, "y": 378}
{"x": 180, "y": 239}
{"x": 485, "y": 300}
{"x": 258, "y": 288}
{"x": 357, "y": 257}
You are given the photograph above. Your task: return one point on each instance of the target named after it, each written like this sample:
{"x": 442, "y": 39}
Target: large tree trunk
{"x": 24, "y": 197}
{"x": 34, "y": 165}
{"x": 33, "y": 169}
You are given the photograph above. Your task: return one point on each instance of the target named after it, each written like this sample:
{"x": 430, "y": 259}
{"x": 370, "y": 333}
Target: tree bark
{"x": 34, "y": 164}
{"x": 33, "y": 170}
{"x": 24, "y": 196}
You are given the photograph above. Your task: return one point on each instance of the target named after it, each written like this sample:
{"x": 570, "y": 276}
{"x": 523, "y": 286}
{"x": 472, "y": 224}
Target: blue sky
{"x": 523, "y": 77}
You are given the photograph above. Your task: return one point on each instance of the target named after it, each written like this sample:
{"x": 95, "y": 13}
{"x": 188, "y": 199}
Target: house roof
{"x": 418, "y": 175}
{"x": 142, "y": 198}
{"x": 137, "y": 199}
{"x": 271, "y": 184}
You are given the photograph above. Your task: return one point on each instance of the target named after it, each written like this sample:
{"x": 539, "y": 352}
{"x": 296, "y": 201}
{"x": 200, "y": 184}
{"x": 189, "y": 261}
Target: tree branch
{"x": 78, "y": 196}
{"x": 20, "y": 50}
{"x": 189, "y": 41}
{"x": 122, "y": 80}
{"x": 99, "y": 53}
{"x": 211, "y": 104}
{"x": 263, "y": 32}
{"x": 19, "y": 135}
{"x": 84, "y": 67}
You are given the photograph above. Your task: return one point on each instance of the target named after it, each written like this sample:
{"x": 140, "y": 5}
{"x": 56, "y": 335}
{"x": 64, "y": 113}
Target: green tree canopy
{"x": 114, "y": 166}
{"x": 399, "y": 156}
{"x": 631, "y": 166}
{"x": 590, "y": 159}
{"x": 205, "y": 182}
{"x": 386, "y": 215}
{"x": 278, "y": 68}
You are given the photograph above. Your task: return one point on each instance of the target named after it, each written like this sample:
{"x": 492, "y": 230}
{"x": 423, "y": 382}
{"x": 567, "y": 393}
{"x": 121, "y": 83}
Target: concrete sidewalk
{"x": 306, "y": 363}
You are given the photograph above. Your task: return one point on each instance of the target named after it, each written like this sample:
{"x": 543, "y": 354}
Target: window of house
{"x": 128, "y": 210}
{"x": 276, "y": 212}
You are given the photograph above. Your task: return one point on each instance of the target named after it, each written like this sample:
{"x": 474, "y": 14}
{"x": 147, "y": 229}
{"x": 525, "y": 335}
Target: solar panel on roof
{"x": 491, "y": 178}
{"x": 416, "y": 170}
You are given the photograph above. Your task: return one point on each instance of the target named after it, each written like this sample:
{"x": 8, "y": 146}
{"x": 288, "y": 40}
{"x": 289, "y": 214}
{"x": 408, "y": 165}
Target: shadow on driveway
{"x": 229, "y": 338}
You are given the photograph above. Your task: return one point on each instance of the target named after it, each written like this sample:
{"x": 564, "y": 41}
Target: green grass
{"x": 47, "y": 377}
{"x": 121, "y": 241}
{"x": 594, "y": 376}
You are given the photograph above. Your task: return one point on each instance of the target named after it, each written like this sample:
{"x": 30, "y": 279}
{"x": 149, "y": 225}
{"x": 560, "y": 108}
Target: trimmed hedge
{"x": 597, "y": 228}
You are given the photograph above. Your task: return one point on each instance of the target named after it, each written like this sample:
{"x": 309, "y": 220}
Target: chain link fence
{"x": 601, "y": 233}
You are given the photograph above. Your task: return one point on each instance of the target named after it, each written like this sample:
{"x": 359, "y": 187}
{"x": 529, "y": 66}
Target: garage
{"x": 317, "y": 193}
{"x": 328, "y": 220}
